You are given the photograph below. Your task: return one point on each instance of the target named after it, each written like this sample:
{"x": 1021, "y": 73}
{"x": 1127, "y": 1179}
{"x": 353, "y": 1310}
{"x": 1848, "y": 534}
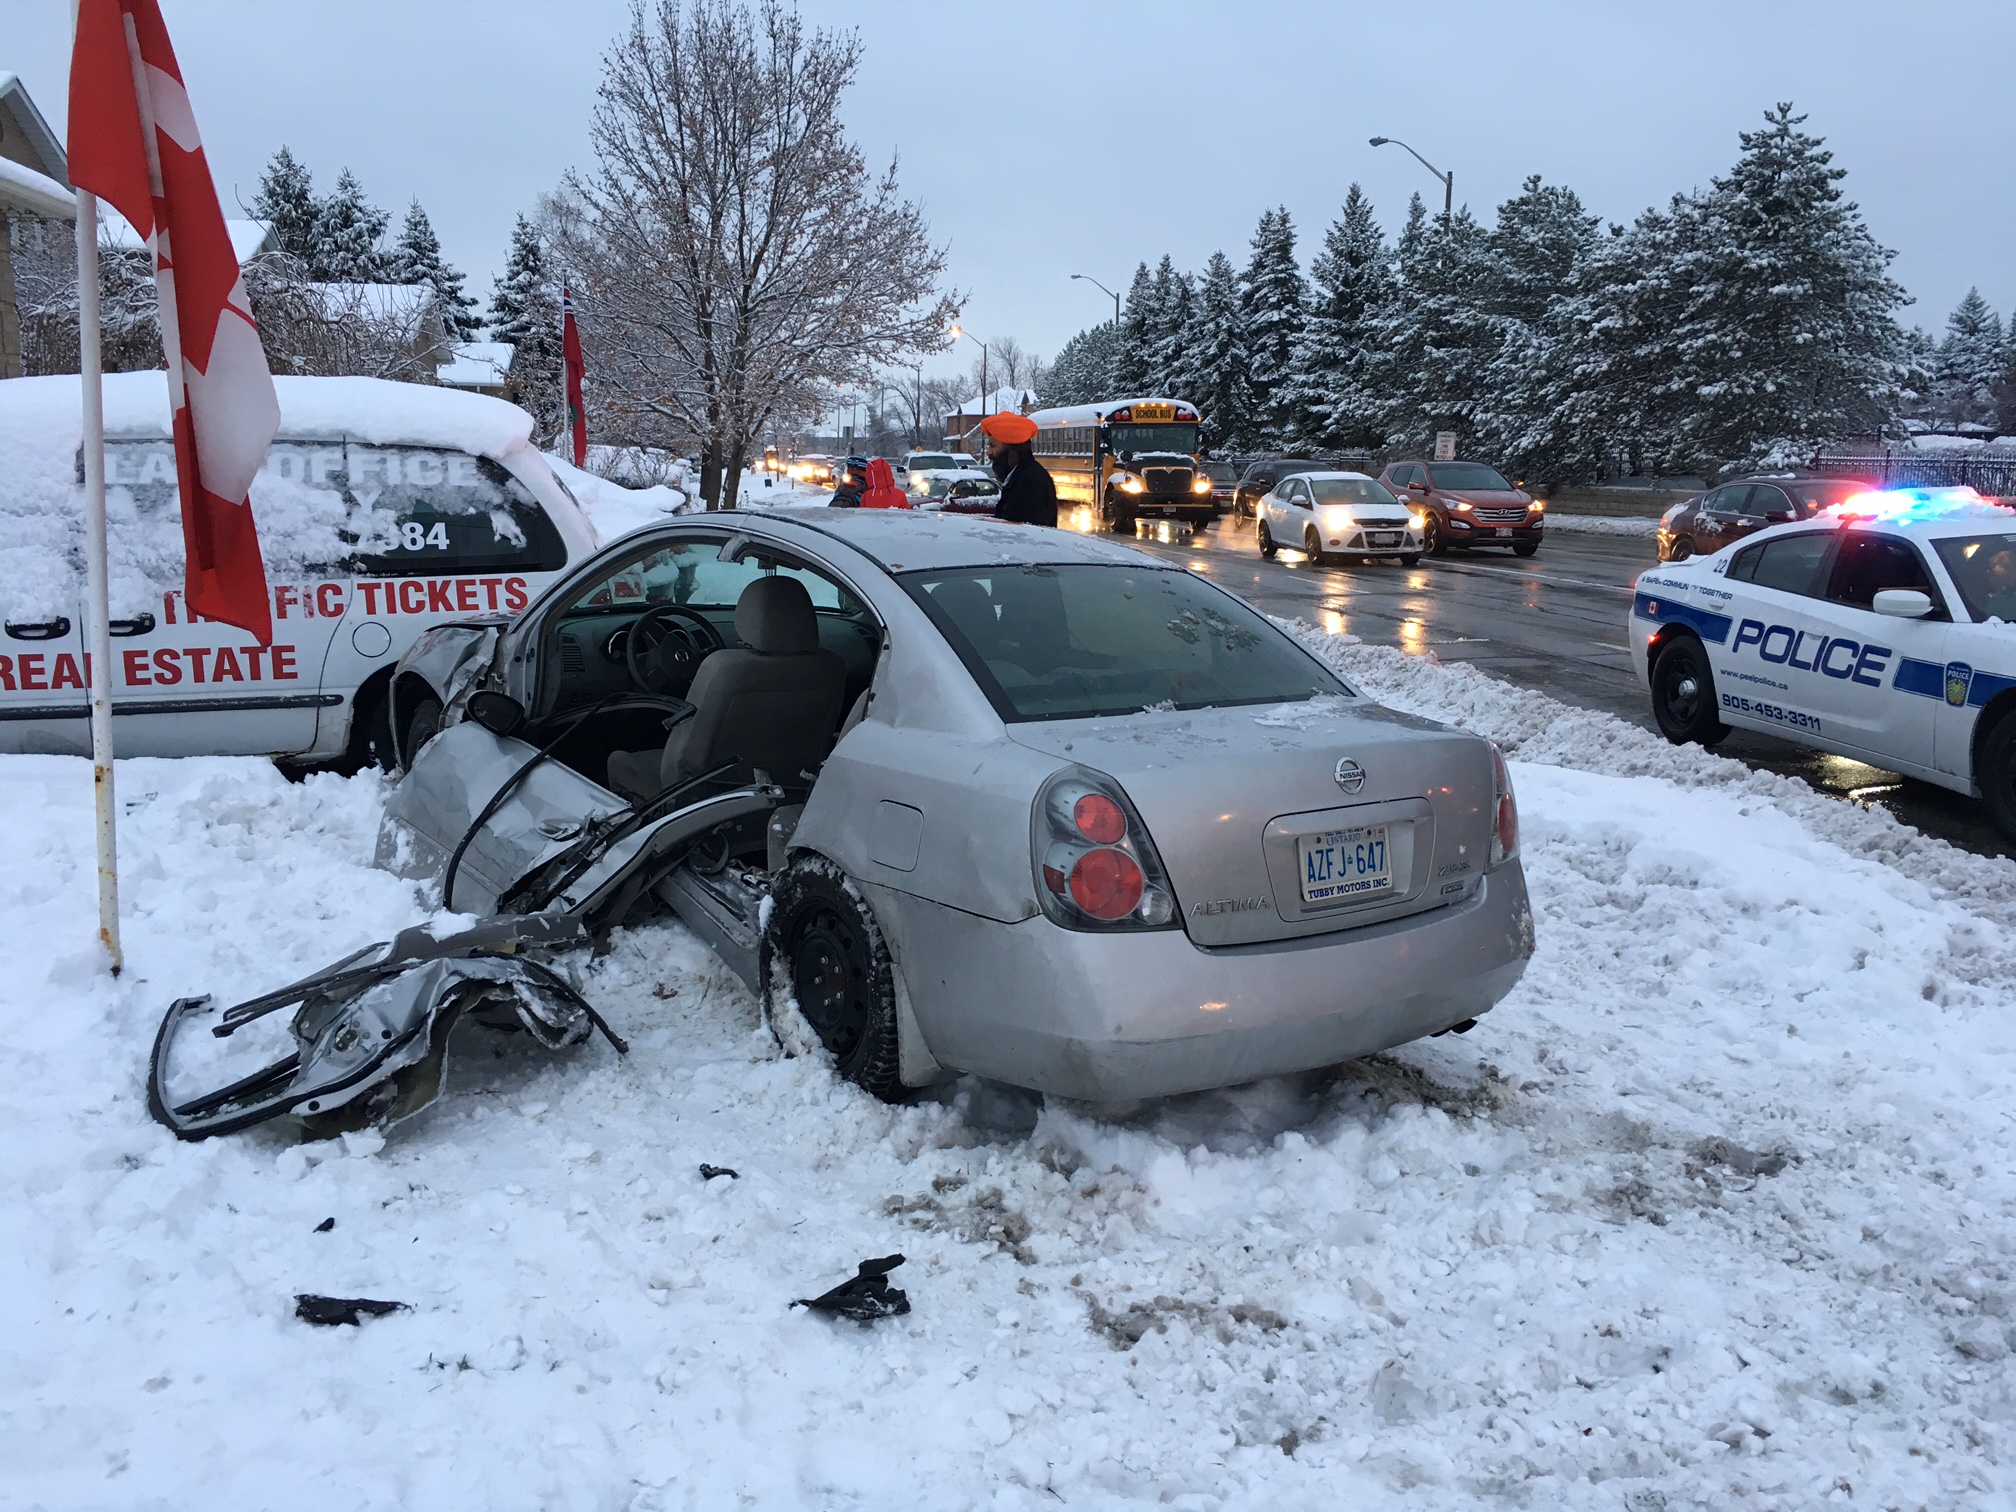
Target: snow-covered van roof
{"x": 1098, "y": 414}
{"x": 41, "y": 513}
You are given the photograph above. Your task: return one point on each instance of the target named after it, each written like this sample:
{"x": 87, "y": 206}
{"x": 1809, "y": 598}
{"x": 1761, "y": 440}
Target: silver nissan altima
{"x": 970, "y": 797}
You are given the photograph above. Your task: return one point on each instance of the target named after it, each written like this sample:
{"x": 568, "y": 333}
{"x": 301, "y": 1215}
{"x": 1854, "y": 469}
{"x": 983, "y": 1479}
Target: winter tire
{"x": 1122, "y": 523}
{"x": 822, "y": 944}
{"x": 1680, "y": 550}
{"x": 1683, "y": 694}
{"x": 1432, "y": 539}
{"x": 1264, "y": 539}
{"x": 1995, "y": 774}
{"x": 1524, "y": 548}
{"x": 423, "y": 723}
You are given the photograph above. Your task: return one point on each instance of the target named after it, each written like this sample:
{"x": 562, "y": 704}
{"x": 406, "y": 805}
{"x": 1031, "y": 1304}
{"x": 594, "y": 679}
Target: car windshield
{"x": 1984, "y": 570}
{"x": 1071, "y": 642}
{"x": 1462, "y": 475}
{"x": 1351, "y": 491}
{"x": 1221, "y": 472}
{"x": 925, "y": 461}
{"x": 1122, "y": 439}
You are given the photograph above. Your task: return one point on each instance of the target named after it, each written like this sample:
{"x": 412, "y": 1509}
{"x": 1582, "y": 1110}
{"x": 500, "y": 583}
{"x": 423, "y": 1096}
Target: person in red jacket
{"x": 882, "y": 492}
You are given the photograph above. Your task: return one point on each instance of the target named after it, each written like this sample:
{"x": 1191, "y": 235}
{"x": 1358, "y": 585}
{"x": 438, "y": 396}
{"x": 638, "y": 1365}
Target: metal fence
{"x": 1995, "y": 476}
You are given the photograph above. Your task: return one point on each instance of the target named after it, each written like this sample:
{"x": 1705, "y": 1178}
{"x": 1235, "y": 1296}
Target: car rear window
{"x": 1074, "y": 641}
{"x": 1984, "y": 570}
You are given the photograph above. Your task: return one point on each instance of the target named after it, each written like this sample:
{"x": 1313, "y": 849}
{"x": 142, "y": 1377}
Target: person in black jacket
{"x": 1028, "y": 497}
{"x": 853, "y": 483}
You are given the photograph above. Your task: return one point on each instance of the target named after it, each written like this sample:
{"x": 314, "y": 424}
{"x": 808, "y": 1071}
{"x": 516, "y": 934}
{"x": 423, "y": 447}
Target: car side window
{"x": 427, "y": 511}
{"x": 1789, "y": 564}
{"x": 1728, "y": 499}
{"x": 1291, "y": 491}
{"x": 1770, "y": 502}
{"x": 1869, "y": 562}
{"x": 1402, "y": 476}
{"x": 687, "y": 571}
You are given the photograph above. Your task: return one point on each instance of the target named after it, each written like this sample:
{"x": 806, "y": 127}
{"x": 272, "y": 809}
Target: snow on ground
{"x": 1714, "y": 1210}
{"x": 1581, "y": 524}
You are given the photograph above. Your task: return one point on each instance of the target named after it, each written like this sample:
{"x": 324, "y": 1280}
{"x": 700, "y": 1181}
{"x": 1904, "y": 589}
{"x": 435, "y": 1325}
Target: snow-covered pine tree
{"x": 1133, "y": 352}
{"x": 1969, "y": 365}
{"x": 1436, "y": 339}
{"x": 1274, "y": 300}
{"x": 525, "y": 311}
{"x": 1215, "y": 373}
{"x": 1535, "y": 254}
{"x": 416, "y": 259}
{"x": 1351, "y": 281}
{"x": 1168, "y": 328}
{"x": 349, "y": 232}
{"x": 1789, "y": 336}
{"x": 286, "y": 200}
{"x": 1082, "y": 372}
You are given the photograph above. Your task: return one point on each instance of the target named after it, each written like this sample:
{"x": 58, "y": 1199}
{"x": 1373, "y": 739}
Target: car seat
{"x": 770, "y": 704}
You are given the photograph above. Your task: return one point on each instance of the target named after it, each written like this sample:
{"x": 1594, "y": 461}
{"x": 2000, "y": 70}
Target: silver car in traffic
{"x": 972, "y": 797}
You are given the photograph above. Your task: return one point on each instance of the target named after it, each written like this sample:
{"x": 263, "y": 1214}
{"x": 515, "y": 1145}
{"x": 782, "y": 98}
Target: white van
{"x": 383, "y": 509}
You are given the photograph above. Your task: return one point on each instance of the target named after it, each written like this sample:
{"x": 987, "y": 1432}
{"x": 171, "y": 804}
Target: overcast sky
{"x": 1045, "y": 139}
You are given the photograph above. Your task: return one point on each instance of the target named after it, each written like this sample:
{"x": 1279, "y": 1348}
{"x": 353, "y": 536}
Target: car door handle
{"x": 140, "y": 624}
{"x": 42, "y": 630}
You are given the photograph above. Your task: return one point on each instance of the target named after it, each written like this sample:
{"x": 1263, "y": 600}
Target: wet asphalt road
{"x": 1554, "y": 621}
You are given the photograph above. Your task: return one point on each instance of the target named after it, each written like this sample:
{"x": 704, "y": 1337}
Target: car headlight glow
{"x": 1338, "y": 518}
{"x": 1418, "y": 519}
{"x": 1461, "y": 504}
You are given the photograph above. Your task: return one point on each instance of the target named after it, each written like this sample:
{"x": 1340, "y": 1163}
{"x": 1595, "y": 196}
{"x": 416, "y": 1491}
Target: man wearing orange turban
{"x": 1028, "y": 497}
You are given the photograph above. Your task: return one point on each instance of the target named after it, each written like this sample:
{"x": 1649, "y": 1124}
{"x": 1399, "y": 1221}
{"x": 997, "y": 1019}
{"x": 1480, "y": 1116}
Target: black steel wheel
{"x": 823, "y": 946}
{"x": 1995, "y": 773}
{"x": 1683, "y": 694}
{"x": 1264, "y": 539}
{"x": 1433, "y": 541}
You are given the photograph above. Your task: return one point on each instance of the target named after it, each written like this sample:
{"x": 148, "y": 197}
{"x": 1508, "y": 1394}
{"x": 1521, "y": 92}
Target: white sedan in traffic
{"x": 1882, "y": 630}
{"x": 1342, "y": 516}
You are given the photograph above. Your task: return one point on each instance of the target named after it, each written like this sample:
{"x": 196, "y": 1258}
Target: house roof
{"x": 248, "y": 237}
{"x": 477, "y": 364}
{"x": 37, "y": 193}
{"x": 22, "y": 116}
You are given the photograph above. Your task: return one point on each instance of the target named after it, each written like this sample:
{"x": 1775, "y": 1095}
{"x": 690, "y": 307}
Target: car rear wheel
{"x": 1432, "y": 539}
{"x": 1995, "y": 774}
{"x": 1683, "y": 694}
{"x": 1264, "y": 538}
{"x": 823, "y": 947}
{"x": 1680, "y": 550}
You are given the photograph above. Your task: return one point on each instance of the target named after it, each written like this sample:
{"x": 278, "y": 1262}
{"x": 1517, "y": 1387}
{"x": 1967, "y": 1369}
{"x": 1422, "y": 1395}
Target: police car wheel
{"x": 1683, "y": 694}
{"x": 1996, "y": 774}
{"x": 1265, "y": 540}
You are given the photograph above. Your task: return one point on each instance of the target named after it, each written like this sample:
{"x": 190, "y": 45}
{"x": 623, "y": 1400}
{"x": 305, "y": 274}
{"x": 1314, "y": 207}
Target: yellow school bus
{"x": 1127, "y": 458}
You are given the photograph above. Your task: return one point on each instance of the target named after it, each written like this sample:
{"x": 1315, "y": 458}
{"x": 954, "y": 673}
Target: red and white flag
{"x": 570, "y": 354}
{"x": 133, "y": 143}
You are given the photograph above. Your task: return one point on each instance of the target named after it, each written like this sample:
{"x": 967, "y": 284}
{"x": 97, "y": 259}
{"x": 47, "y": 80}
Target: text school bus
{"x": 1127, "y": 458}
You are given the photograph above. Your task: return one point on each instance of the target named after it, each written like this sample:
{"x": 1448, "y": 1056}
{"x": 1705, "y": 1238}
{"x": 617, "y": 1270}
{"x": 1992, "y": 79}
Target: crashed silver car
{"x": 975, "y": 798}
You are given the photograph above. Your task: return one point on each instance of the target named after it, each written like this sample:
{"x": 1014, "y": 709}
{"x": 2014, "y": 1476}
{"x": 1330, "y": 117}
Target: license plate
{"x": 1384, "y": 538}
{"x": 1351, "y": 863}
{"x": 1503, "y": 533}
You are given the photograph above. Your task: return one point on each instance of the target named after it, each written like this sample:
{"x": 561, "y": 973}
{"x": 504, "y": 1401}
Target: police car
{"x": 384, "y": 509}
{"x": 1883, "y": 629}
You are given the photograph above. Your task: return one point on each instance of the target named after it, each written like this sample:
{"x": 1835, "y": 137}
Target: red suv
{"x": 1467, "y": 504}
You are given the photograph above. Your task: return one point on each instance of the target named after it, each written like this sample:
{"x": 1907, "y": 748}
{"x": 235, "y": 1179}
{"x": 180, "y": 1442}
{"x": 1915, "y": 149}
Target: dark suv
{"x": 1465, "y": 504}
{"x": 1704, "y": 524}
{"x": 1260, "y": 477}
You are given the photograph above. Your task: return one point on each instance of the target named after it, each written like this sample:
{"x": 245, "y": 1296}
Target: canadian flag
{"x": 570, "y": 354}
{"x": 133, "y": 143}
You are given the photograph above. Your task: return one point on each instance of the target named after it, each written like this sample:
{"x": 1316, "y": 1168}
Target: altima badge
{"x": 1350, "y": 775}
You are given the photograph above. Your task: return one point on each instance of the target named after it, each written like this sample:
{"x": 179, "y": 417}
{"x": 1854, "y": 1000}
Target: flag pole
{"x": 98, "y": 658}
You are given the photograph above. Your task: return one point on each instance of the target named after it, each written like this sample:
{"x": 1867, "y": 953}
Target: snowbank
{"x": 610, "y": 507}
{"x": 1617, "y": 525}
{"x": 1714, "y": 1210}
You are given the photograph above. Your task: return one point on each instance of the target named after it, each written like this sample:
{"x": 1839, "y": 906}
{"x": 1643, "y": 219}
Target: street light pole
{"x": 1448, "y": 179}
{"x": 1088, "y": 278}
{"x": 957, "y": 332}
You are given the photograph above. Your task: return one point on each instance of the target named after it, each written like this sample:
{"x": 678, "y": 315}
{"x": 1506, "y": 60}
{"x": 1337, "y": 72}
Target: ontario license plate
{"x": 1502, "y": 533}
{"x": 1384, "y": 537}
{"x": 1341, "y": 864}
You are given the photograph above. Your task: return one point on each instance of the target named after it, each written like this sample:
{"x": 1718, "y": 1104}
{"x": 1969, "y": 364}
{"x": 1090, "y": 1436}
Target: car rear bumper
{"x": 1102, "y": 1017}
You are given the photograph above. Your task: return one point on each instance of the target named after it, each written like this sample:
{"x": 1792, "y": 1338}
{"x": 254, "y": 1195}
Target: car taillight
{"x": 1504, "y": 811}
{"x": 1096, "y": 868}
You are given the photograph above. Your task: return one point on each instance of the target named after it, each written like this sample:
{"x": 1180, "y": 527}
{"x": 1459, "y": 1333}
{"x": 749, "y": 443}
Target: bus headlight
{"x": 1200, "y": 485}
{"x": 1130, "y": 484}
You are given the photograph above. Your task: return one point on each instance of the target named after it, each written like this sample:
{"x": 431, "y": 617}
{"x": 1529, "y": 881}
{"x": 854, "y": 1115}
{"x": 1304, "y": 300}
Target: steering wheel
{"x": 665, "y": 646}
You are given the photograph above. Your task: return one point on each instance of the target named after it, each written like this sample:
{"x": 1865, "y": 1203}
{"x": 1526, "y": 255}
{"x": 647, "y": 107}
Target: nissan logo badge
{"x": 1350, "y": 775}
